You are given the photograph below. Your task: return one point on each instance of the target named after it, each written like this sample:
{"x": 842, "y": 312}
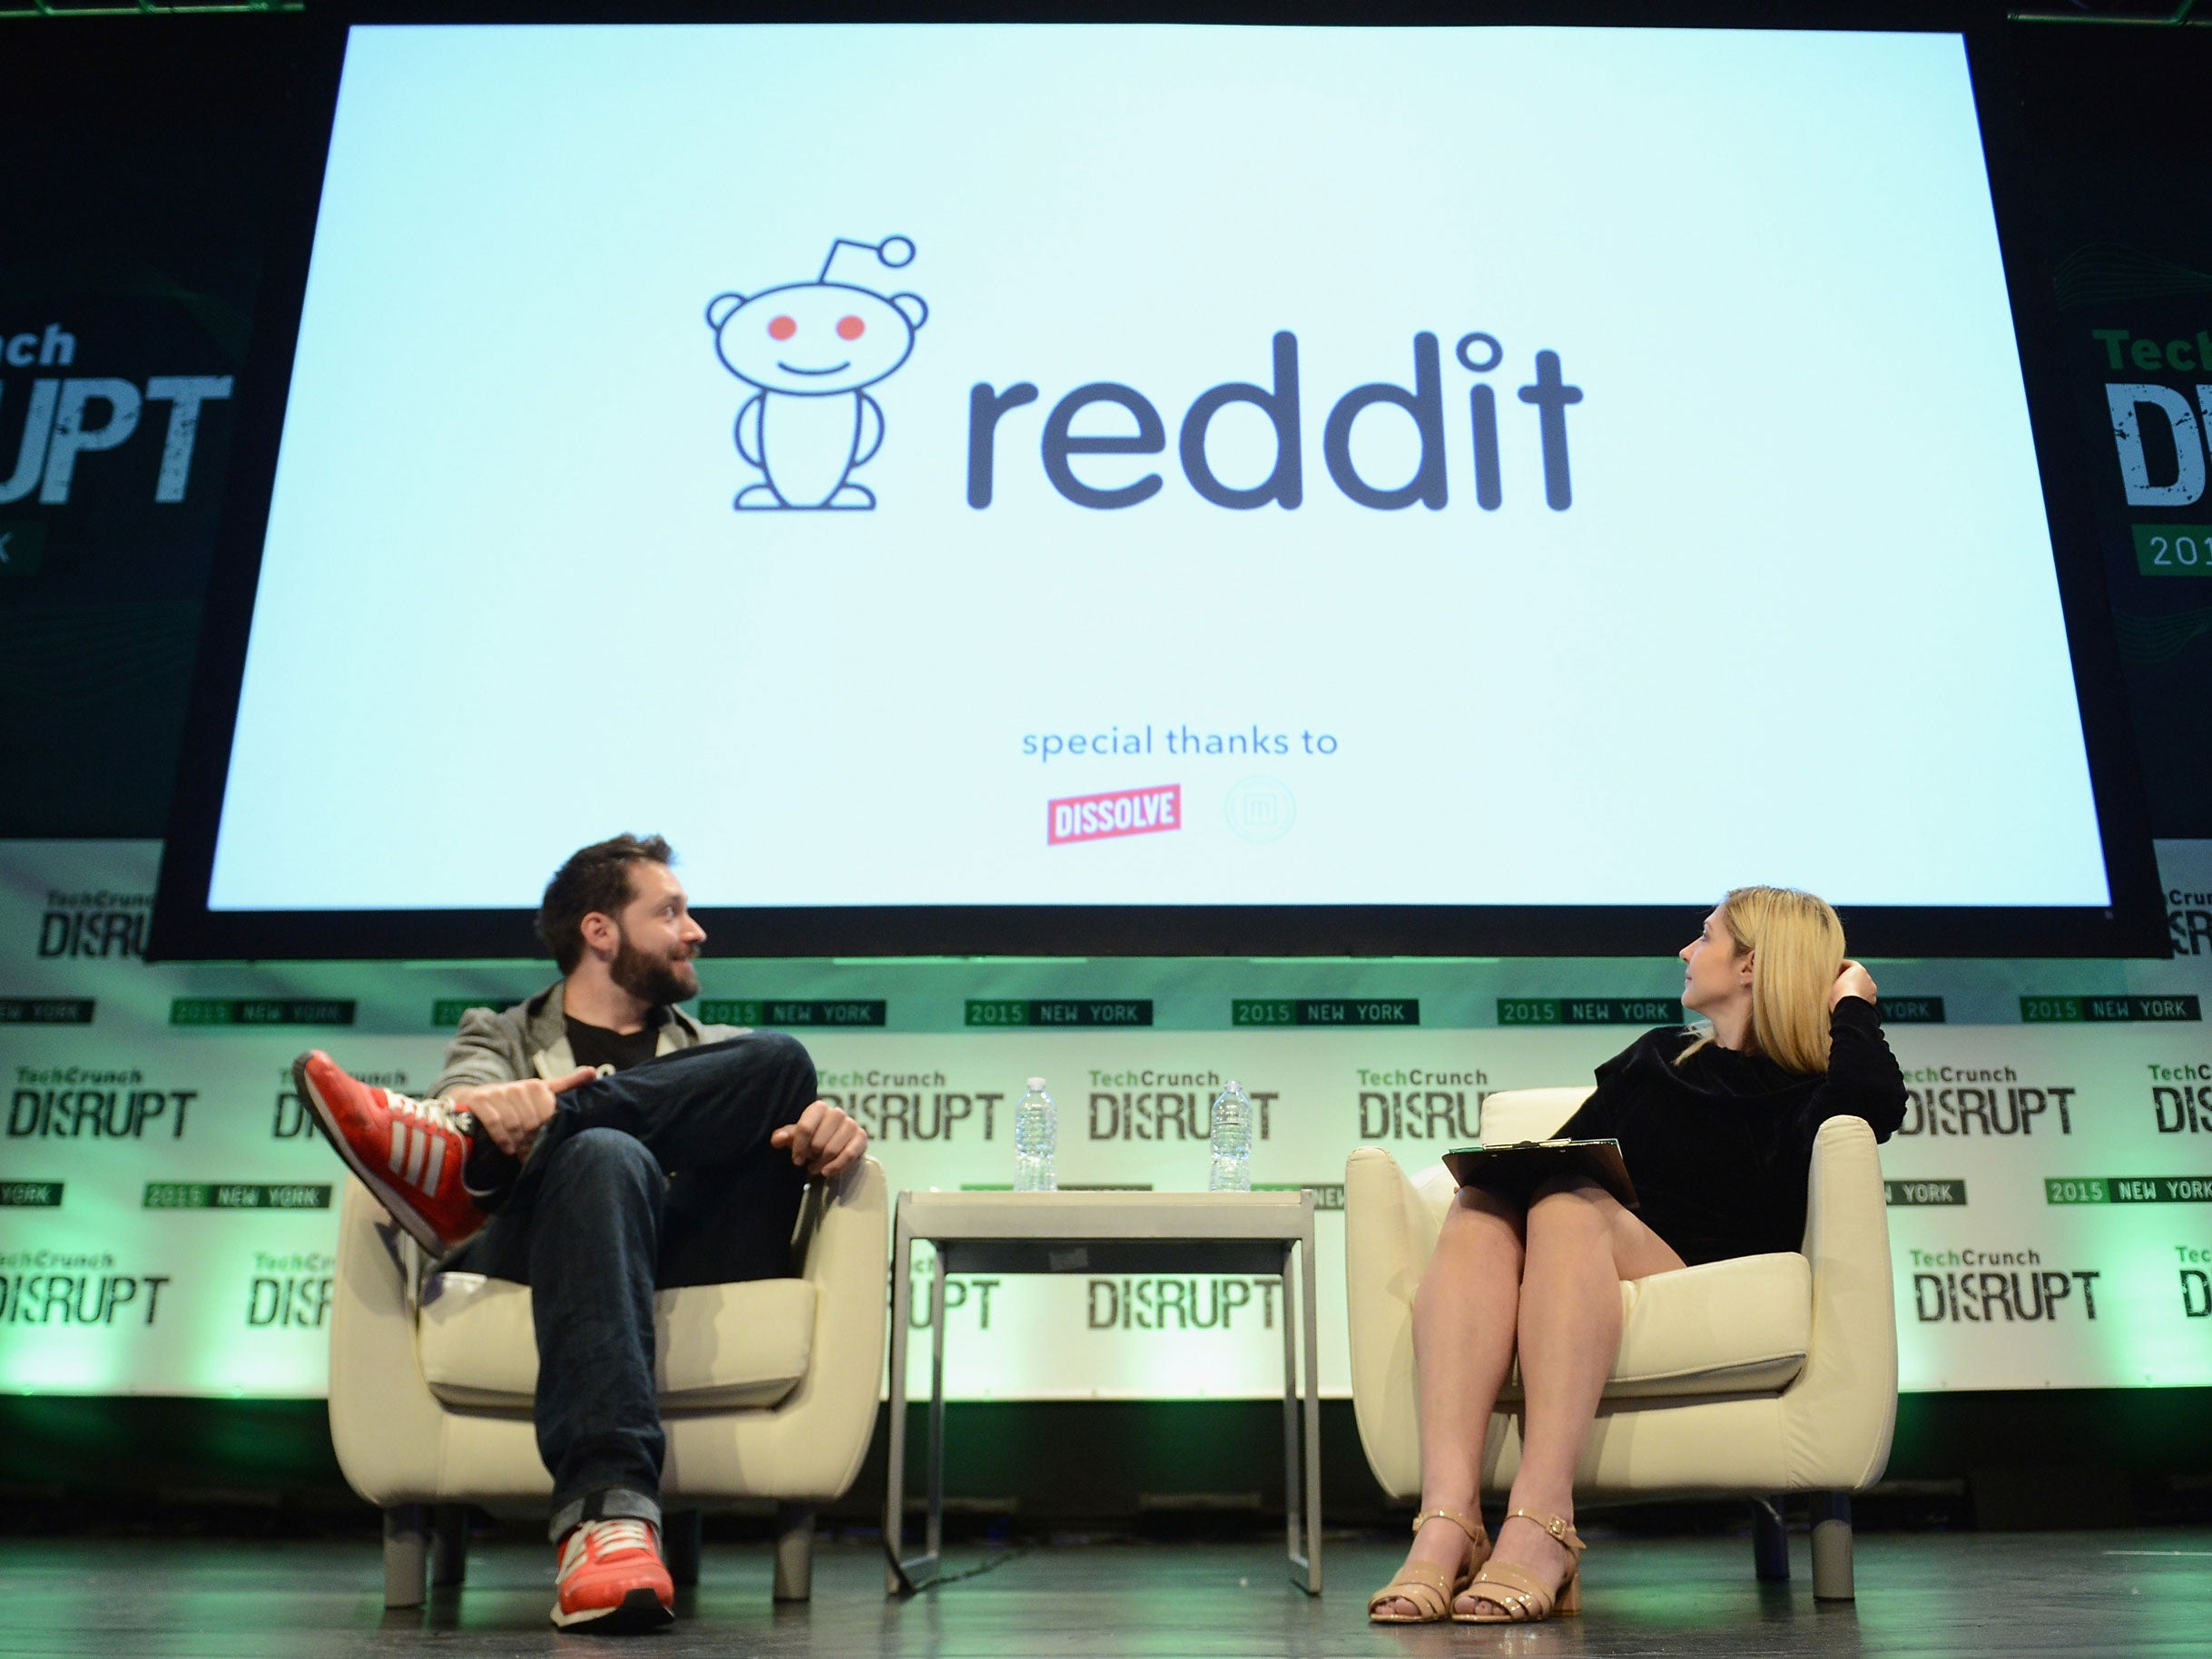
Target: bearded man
{"x": 597, "y": 1143}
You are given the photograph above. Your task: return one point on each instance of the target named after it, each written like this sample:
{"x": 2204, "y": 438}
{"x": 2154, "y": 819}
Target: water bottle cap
{"x": 1037, "y": 1083}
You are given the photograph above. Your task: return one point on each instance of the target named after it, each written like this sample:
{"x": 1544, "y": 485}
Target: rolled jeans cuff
{"x": 615, "y": 1503}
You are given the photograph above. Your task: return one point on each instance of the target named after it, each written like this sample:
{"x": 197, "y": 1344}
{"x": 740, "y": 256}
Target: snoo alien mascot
{"x": 809, "y": 348}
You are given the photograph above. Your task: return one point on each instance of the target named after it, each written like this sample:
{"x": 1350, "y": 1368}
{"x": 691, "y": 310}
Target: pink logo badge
{"x": 1095, "y": 818}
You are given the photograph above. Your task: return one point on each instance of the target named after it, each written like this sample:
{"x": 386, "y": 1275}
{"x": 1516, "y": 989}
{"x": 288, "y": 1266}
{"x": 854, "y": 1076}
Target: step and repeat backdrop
{"x": 168, "y": 1212}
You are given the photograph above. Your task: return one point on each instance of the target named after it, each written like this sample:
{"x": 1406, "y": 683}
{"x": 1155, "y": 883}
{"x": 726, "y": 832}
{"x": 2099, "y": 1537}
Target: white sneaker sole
{"x": 639, "y": 1611}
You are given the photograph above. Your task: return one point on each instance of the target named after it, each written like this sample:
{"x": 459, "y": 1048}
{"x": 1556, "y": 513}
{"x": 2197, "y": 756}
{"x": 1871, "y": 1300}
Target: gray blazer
{"x": 531, "y": 1040}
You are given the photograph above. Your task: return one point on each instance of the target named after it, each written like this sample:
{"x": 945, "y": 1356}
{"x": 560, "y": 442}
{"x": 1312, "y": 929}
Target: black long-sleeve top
{"x": 1720, "y": 1146}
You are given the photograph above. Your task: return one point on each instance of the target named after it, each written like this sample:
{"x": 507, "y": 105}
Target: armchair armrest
{"x": 823, "y": 1427}
{"x": 1842, "y": 1408}
{"x": 1390, "y": 1233}
{"x": 386, "y": 1425}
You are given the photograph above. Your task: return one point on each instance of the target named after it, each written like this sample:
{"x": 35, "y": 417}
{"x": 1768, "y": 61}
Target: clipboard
{"x": 1515, "y": 1170}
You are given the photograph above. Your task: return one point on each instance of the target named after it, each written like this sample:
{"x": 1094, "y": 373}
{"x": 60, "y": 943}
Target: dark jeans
{"x": 655, "y": 1176}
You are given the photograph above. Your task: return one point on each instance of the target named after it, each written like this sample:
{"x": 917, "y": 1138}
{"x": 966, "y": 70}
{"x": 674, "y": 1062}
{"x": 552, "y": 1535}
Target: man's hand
{"x": 1854, "y": 981}
{"x": 513, "y": 1113}
{"x": 824, "y": 1142}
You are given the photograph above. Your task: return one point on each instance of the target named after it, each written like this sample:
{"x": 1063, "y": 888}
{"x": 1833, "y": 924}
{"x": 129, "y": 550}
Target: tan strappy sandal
{"x": 1431, "y": 1589}
{"x": 1526, "y": 1599}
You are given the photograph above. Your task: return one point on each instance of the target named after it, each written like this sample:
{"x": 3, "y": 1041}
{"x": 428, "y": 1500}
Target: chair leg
{"x": 407, "y": 1542}
{"x": 1770, "y": 1541}
{"x": 449, "y": 1544}
{"x": 794, "y": 1553}
{"x": 1832, "y": 1573}
{"x": 680, "y": 1538}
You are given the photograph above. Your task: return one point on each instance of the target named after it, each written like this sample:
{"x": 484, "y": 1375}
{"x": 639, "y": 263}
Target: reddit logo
{"x": 809, "y": 348}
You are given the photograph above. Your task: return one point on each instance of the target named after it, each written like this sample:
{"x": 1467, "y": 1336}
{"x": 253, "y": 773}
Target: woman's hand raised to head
{"x": 1854, "y": 981}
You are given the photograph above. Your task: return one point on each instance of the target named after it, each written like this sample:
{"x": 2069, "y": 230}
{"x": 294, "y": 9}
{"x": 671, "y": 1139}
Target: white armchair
{"x": 1747, "y": 1378}
{"x": 768, "y": 1389}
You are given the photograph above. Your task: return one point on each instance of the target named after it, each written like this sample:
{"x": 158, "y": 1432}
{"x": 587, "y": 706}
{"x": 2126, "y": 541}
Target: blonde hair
{"x": 1797, "y": 943}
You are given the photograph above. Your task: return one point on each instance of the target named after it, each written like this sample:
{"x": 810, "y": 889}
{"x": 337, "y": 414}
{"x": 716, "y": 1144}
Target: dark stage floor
{"x": 2148, "y": 1592}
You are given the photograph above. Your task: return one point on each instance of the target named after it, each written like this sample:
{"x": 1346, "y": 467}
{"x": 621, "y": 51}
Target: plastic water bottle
{"x": 1037, "y": 1134}
{"x": 1231, "y": 1171}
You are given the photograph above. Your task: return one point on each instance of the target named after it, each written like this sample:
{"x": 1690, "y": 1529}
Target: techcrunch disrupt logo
{"x": 88, "y": 1103}
{"x": 1421, "y": 1114}
{"x": 1180, "y": 1305}
{"x": 1417, "y": 1077}
{"x": 1183, "y": 1112}
{"x": 962, "y": 1293}
{"x": 1995, "y": 1290}
{"x": 55, "y": 1287}
{"x": 56, "y": 1259}
{"x": 2156, "y": 434}
{"x": 98, "y": 924}
{"x": 2181, "y": 1098}
{"x": 2000, "y": 1292}
{"x": 72, "y": 1074}
{"x": 2195, "y": 1282}
{"x": 68, "y": 415}
{"x": 912, "y": 1105}
{"x": 2189, "y": 922}
{"x": 1961, "y": 1100}
{"x": 292, "y": 1119}
{"x": 290, "y": 1290}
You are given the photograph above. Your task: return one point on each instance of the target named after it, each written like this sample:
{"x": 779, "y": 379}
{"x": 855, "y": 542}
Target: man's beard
{"x": 657, "y": 981}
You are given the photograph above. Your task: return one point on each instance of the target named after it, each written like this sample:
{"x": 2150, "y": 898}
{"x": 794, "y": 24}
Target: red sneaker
{"x": 613, "y": 1578}
{"x": 409, "y": 1153}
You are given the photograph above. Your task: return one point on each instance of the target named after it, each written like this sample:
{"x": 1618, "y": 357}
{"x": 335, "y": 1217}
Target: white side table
{"x": 1249, "y": 1233}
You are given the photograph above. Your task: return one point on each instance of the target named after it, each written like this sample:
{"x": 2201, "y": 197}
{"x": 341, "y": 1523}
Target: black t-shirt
{"x": 595, "y": 1045}
{"x": 489, "y": 1172}
{"x": 1720, "y": 1146}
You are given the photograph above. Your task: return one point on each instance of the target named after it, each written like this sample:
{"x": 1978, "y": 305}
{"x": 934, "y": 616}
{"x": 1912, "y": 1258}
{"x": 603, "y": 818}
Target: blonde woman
{"x": 1717, "y": 1125}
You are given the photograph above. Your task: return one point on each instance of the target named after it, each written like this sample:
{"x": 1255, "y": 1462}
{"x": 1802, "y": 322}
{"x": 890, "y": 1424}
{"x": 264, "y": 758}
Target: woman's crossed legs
{"x": 1547, "y": 1285}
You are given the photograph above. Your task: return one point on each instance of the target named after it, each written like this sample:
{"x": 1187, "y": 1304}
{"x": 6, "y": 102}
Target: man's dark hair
{"x": 595, "y": 878}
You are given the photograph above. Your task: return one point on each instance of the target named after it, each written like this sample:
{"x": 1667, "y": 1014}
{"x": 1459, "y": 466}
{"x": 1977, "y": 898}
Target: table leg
{"x": 894, "y": 1483}
{"x": 1312, "y": 1445}
{"x": 935, "y": 1537}
{"x": 1293, "y": 1529}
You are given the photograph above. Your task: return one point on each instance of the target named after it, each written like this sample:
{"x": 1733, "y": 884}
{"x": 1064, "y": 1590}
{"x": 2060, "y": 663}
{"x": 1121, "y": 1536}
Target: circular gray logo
{"x": 1262, "y": 809}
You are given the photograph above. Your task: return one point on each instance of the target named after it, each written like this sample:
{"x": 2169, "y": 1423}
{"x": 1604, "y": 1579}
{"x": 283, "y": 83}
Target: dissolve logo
{"x": 1117, "y": 812}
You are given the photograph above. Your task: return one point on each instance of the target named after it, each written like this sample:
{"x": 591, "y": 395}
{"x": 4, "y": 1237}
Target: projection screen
{"x": 1154, "y": 487}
